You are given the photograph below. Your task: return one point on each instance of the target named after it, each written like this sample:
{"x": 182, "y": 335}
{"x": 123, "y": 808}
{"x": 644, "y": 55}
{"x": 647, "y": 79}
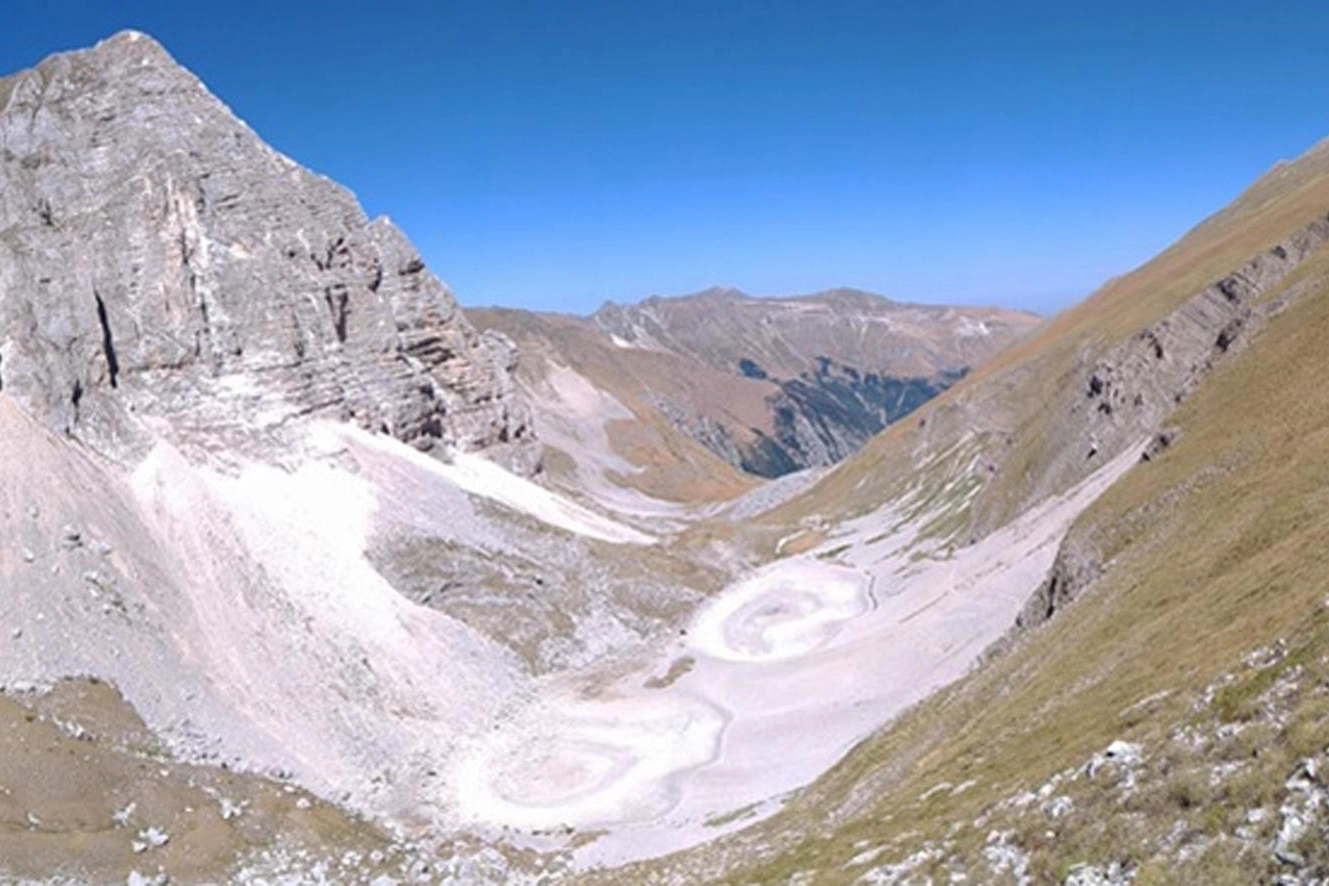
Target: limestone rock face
{"x": 159, "y": 261}
{"x": 1129, "y": 393}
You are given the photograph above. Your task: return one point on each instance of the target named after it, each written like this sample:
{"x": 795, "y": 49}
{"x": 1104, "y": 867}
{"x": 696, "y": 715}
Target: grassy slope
{"x": 73, "y": 759}
{"x": 1009, "y": 396}
{"x": 1215, "y": 548}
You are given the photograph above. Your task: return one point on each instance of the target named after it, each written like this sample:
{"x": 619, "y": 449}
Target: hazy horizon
{"x": 958, "y": 303}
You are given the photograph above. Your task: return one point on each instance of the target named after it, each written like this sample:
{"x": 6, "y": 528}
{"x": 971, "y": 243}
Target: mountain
{"x": 265, "y": 502}
{"x": 287, "y": 597}
{"x": 1154, "y": 710}
{"x": 766, "y": 385}
{"x": 139, "y": 218}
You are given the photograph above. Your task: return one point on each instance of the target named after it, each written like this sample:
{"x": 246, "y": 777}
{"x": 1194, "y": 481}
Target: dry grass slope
{"x": 81, "y": 780}
{"x": 1214, "y": 549}
{"x": 1009, "y": 396}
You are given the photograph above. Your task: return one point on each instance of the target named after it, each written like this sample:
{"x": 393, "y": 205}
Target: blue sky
{"x": 555, "y": 155}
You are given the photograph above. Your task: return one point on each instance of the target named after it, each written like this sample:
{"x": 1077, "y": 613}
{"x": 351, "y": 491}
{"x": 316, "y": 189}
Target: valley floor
{"x": 774, "y": 680}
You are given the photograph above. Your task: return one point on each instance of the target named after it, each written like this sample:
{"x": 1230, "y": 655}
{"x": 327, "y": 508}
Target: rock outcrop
{"x": 1130, "y": 393}
{"x": 1077, "y": 566}
{"x": 159, "y": 261}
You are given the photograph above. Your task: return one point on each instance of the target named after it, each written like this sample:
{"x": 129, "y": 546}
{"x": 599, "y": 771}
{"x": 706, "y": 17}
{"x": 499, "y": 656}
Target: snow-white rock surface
{"x": 479, "y": 476}
{"x": 776, "y": 679}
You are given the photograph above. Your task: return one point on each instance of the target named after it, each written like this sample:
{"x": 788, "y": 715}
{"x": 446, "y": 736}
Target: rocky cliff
{"x": 158, "y": 260}
{"x": 1130, "y": 392}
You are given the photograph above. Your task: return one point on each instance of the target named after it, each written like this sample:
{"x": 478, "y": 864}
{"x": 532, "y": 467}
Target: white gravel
{"x": 791, "y": 667}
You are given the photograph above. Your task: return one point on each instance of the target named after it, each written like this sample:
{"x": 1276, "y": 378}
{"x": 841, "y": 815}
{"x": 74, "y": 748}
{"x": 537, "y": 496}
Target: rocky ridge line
{"x": 1130, "y": 393}
{"x": 159, "y": 261}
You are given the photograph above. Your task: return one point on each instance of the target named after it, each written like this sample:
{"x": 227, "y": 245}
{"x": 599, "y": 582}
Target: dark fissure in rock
{"x": 337, "y": 299}
{"x": 108, "y": 342}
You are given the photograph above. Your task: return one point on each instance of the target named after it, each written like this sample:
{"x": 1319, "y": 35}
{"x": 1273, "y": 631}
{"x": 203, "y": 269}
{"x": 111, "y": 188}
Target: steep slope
{"x": 139, "y": 221}
{"x": 767, "y": 385}
{"x": 256, "y": 477}
{"x": 1157, "y": 711}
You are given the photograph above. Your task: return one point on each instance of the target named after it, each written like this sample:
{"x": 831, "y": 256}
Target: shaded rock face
{"x": 826, "y": 415}
{"x": 158, "y": 259}
{"x": 818, "y": 418}
{"x": 1077, "y": 566}
{"x": 1128, "y": 394}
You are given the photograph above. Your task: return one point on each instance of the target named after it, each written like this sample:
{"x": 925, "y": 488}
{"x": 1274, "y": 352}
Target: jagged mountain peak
{"x": 137, "y": 44}
{"x": 158, "y": 258}
{"x": 126, "y": 58}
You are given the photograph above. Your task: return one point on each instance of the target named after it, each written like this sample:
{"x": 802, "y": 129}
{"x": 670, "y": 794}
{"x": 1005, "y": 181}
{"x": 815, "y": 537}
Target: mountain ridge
{"x": 805, "y": 379}
{"x": 735, "y": 293}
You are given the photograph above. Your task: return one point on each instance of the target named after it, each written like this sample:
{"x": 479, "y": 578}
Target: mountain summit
{"x": 158, "y": 260}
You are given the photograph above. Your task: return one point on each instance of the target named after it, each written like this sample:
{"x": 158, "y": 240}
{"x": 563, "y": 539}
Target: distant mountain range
{"x": 766, "y": 385}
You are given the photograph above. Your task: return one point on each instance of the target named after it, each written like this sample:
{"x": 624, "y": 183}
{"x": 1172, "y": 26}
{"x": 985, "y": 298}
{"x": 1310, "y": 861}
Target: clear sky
{"x": 556, "y": 154}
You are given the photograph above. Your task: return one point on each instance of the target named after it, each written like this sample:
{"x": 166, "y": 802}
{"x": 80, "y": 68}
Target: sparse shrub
{"x": 1236, "y": 703}
{"x": 1254, "y": 742}
{"x": 1045, "y": 866}
{"x": 1154, "y": 872}
{"x": 1189, "y": 789}
{"x": 1214, "y": 820}
{"x": 1222, "y": 863}
{"x": 1306, "y": 735}
{"x": 1250, "y": 788}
